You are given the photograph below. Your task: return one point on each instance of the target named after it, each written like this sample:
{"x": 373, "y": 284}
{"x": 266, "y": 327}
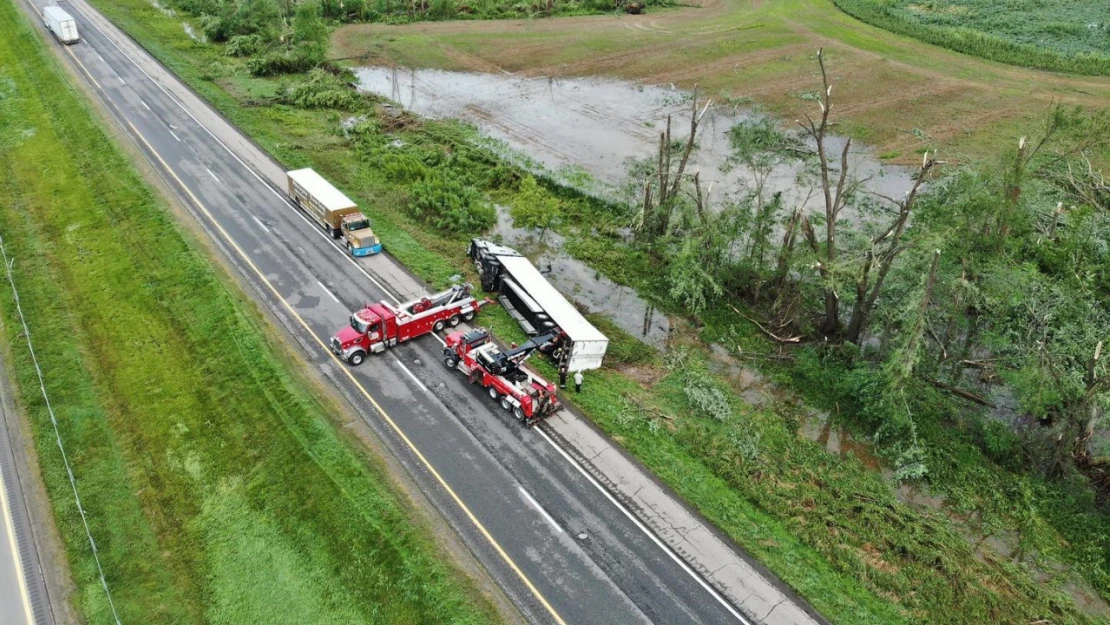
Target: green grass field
{"x": 218, "y": 488}
{"x": 828, "y": 525}
{"x": 1056, "y": 35}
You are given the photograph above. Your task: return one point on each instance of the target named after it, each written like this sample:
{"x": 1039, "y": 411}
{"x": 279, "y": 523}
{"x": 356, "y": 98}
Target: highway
{"x": 559, "y": 547}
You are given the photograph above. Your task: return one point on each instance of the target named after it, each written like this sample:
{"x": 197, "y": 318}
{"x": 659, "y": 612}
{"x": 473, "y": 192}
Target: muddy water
{"x": 599, "y": 127}
{"x": 598, "y": 294}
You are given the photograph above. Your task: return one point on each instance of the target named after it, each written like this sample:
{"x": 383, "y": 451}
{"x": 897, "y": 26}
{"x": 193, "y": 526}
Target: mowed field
{"x": 898, "y": 95}
{"x": 218, "y": 485}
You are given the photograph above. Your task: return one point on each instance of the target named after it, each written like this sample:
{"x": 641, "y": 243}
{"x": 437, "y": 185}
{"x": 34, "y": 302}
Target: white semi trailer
{"x": 61, "y": 24}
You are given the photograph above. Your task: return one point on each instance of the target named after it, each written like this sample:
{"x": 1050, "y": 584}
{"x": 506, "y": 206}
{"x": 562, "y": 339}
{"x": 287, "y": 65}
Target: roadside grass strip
{"x": 216, "y": 485}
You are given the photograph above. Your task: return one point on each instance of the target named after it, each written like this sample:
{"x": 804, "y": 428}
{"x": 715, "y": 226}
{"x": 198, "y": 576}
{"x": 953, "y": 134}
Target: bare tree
{"x": 883, "y": 250}
{"x": 836, "y": 197}
{"x": 658, "y": 203}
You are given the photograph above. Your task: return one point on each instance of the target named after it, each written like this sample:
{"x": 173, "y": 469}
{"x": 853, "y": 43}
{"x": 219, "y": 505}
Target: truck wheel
{"x": 506, "y": 404}
{"x": 438, "y": 326}
{"x": 453, "y": 320}
{"x": 356, "y": 358}
{"x": 518, "y": 412}
{"x": 351, "y": 249}
{"x": 450, "y": 362}
{"x": 468, "y": 316}
{"x": 493, "y": 394}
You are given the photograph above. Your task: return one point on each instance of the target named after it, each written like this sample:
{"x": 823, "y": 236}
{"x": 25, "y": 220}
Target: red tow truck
{"x": 382, "y": 325}
{"x": 527, "y": 395}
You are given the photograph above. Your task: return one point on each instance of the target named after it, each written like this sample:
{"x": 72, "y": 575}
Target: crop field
{"x": 218, "y": 488}
{"x": 897, "y": 95}
{"x": 1071, "y": 37}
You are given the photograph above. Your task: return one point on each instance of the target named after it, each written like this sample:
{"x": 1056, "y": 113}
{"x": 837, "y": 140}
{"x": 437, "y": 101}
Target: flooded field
{"x": 588, "y": 132}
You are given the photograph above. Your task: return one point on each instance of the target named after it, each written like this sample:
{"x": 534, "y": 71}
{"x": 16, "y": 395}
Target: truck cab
{"x": 367, "y": 332}
{"x": 360, "y": 239}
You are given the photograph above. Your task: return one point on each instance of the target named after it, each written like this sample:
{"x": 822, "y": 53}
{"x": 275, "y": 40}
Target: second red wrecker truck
{"x": 378, "y": 326}
{"x": 527, "y": 395}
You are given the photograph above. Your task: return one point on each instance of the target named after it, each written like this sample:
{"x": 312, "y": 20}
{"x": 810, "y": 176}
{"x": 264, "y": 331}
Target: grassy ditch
{"x": 828, "y": 525}
{"x": 217, "y": 488}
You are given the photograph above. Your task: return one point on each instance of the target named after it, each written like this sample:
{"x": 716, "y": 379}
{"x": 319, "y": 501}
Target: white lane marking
{"x": 211, "y": 174}
{"x": 411, "y": 375}
{"x": 327, "y": 291}
{"x": 537, "y": 506}
{"x": 174, "y": 136}
{"x": 260, "y": 224}
{"x": 655, "y": 539}
{"x": 5, "y": 510}
{"x": 100, "y": 57}
{"x": 121, "y": 80}
{"x": 144, "y": 104}
{"x": 280, "y": 196}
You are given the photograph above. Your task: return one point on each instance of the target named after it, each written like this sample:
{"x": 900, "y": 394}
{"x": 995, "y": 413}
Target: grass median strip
{"x": 217, "y": 488}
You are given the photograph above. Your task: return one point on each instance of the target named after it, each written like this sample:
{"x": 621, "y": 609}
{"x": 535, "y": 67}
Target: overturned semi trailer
{"x": 537, "y": 306}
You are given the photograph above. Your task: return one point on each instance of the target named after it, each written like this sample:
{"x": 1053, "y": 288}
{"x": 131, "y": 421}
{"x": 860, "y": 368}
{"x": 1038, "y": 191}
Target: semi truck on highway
{"x": 528, "y": 396}
{"x": 537, "y": 306}
{"x": 382, "y": 325}
{"x": 61, "y": 24}
{"x": 334, "y": 211}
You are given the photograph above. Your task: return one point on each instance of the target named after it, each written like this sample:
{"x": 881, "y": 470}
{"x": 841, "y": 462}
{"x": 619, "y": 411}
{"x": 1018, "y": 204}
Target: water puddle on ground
{"x": 598, "y": 127}
{"x": 598, "y": 294}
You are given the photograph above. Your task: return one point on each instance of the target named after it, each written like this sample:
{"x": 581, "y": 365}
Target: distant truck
{"x": 378, "y": 326}
{"x": 334, "y": 211}
{"x": 61, "y": 24}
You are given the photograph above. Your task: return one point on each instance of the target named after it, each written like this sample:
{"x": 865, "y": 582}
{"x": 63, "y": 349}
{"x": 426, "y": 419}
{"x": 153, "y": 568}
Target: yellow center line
{"x": 6, "y": 510}
{"x": 342, "y": 366}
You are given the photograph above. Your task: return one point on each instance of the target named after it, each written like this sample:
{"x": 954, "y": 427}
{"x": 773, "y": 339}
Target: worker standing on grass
{"x": 577, "y": 381}
{"x": 563, "y": 376}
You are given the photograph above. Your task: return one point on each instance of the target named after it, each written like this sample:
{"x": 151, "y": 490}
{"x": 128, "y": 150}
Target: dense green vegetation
{"x": 216, "y": 487}
{"x": 829, "y": 525}
{"x": 1056, "y": 35}
{"x": 250, "y": 25}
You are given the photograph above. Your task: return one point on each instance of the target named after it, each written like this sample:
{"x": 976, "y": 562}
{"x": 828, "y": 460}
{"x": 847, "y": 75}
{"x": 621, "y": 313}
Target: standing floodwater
{"x": 598, "y": 127}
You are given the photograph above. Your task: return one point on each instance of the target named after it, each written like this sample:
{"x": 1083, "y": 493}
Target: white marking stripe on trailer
{"x": 540, "y": 508}
{"x": 327, "y": 291}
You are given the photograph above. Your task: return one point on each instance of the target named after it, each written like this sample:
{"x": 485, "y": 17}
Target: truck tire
{"x": 351, "y": 249}
{"x": 506, "y": 404}
{"x": 450, "y": 362}
{"x": 493, "y": 394}
{"x": 468, "y": 316}
{"x": 518, "y": 412}
{"x": 453, "y": 320}
{"x": 438, "y": 326}
{"x": 356, "y": 358}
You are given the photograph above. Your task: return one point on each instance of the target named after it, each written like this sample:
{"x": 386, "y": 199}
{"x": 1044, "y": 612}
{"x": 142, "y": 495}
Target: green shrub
{"x": 280, "y": 62}
{"x": 448, "y": 204}
{"x": 244, "y": 45}
{"x": 321, "y": 89}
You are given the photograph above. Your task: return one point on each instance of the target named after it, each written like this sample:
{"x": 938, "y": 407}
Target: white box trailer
{"x": 587, "y": 343}
{"x": 320, "y": 199}
{"x": 61, "y": 24}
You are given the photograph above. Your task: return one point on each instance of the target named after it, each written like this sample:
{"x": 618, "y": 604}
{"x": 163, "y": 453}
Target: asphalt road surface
{"x": 561, "y": 550}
